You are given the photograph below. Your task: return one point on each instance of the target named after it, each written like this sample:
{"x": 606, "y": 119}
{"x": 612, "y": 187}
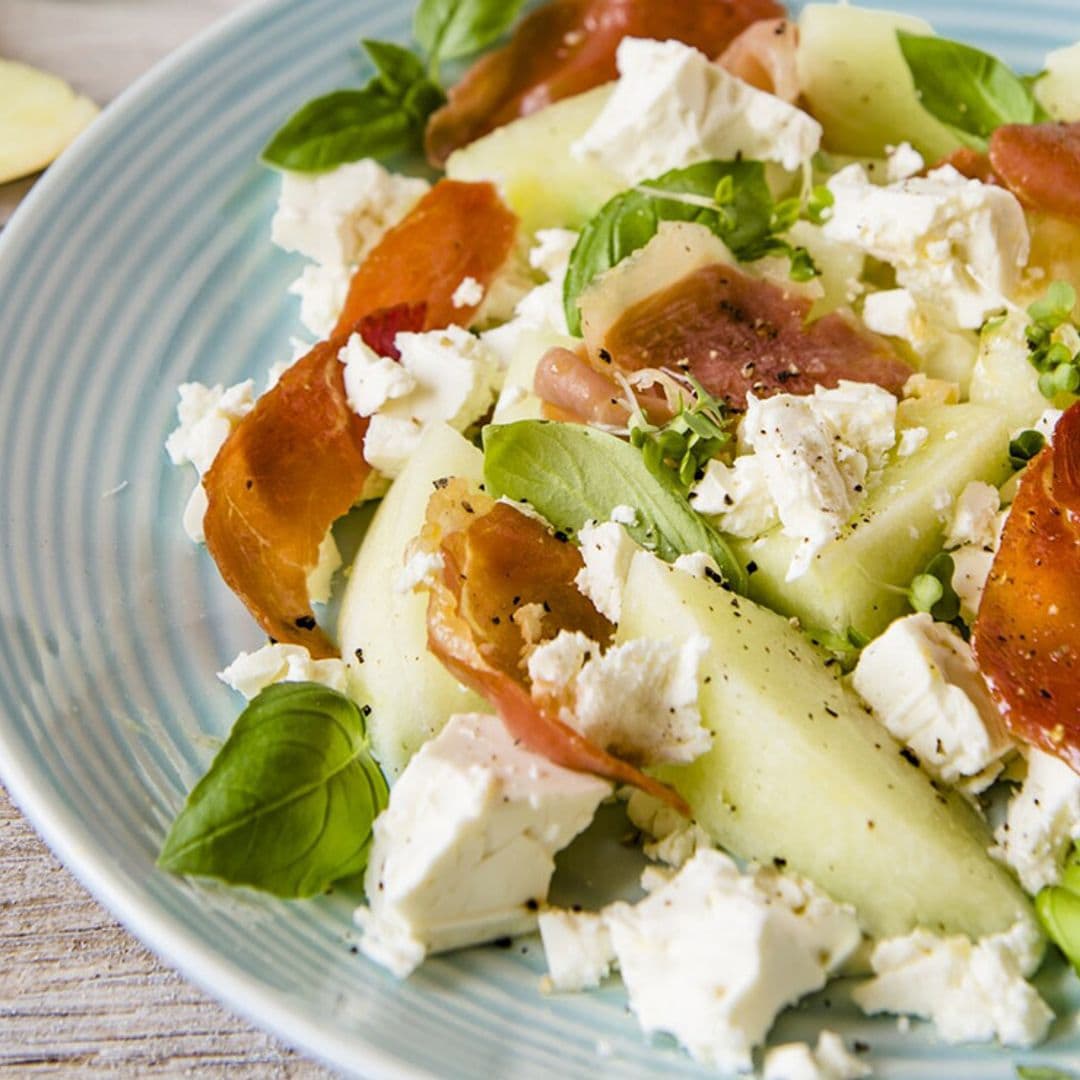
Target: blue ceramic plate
{"x": 142, "y": 260}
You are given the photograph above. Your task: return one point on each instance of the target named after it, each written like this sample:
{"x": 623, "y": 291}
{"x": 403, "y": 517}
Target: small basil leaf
{"x": 398, "y": 68}
{"x": 969, "y": 91}
{"x": 448, "y": 29}
{"x": 631, "y": 219}
{"x": 573, "y": 475}
{"x": 288, "y": 804}
{"x": 342, "y": 126}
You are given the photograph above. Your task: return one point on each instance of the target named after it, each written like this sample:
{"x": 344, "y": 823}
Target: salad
{"x": 708, "y": 409}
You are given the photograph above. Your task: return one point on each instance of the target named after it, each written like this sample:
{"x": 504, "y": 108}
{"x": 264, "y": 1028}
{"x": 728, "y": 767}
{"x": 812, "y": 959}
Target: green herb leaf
{"x": 969, "y": 91}
{"x": 932, "y": 590}
{"x": 289, "y": 802}
{"x": 729, "y": 197}
{"x": 448, "y": 29}
{"x": 1024, "y": 447}
{"x": 384, "y": 118}
{"x": 1059, "y": 912}
{"x": 1042, "y": 1072}
{"x": 573, "y": 475}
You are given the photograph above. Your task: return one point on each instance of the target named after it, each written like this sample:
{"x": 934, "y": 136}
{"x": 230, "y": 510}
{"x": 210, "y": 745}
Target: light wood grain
{"x": 79, "y": 995}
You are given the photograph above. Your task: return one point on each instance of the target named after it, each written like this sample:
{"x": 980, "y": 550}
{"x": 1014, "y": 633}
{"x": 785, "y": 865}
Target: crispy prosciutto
{"x": 736, "y": 334}
{"x": 295, "y": 463}
{"x": 764, "y": 55}
{"x": 1027, "y": 634}
{"x": 567, "y": 47}
{"x": 495, "y": 560}
{"x": 1040, "y": 165}
{"x": 457, "y": 230}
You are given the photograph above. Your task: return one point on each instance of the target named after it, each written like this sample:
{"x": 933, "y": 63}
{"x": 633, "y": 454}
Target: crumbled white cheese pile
{"x": 639, "y": 700}
{"x": 674, "y": 107}
{"x": 828, "y": 1060}
{"x": 252, "y": 672}
{"x": 809, "y": 461}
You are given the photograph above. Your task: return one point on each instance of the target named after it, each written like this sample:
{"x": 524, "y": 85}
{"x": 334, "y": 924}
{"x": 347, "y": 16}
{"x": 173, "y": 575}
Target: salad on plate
{"x": 694, "y": 435}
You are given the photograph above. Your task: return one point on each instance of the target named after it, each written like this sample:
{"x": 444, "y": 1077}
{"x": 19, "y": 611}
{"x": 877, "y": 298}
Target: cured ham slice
{"x": 764, "y": 55}
{"x": 567, "y": 47}
{"x": 1027, "y": 634}
{"x": 457, "y": 230}
{"x": 1040, "y": 165}
{"x": 292, "y": 467}
{"x": 495, "y": 560}
{"x": 737, "y": 334}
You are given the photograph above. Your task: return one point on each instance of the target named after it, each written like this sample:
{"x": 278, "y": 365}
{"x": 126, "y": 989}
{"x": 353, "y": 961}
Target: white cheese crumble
{"x": 251, "y": 673}
{"x": 712, "y": 955}
{"x": 421, "y": 566}
{"x": 698, "y": 564}
{"x": 1042, "y": 822}
{"x": 607, "y": 551}
{"x": 975, "y": 516}
{"x": 674, "y": 840}
{"x": 470, "y": 293}
{"x": 624, "y": 515}
{"x": 337, "y": 217}
{"x": 323, "y": 291}
{"x": 1047, "y": 422}
{"x": 638, "y": 700}
{"x": 673, "y": 107}
{"x": 454, "y": 377}
{"x": 737, "y": 495}
{"x": 902, "y": 162}
{"x": 912, "y": 440}
{"x": 577, "y": 947}
{"x": 958, "y": 245}
{"x": 815, "y": 453}
{"x": 320, "y": 577}
{"x": 829, "y": 1060}
{"x": 371, "y": 380}
{"x": 466, "y": 848}
{"x": 922, "y": 682}
{"x": 207, "y": 416}
{"x": 973, "y": 992}
{"x": 971, "y": 568}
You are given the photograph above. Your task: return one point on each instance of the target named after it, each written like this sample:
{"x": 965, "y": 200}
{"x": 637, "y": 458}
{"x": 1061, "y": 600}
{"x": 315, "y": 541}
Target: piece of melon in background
{"x": 39, "y": 116}
{"x": 1058, "y": 91}
{"x": 530, "y": 162}
{"x": 857, "y": 84}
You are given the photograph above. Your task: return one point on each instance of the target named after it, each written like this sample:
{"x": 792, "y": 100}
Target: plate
{"x": 142, "y": 260}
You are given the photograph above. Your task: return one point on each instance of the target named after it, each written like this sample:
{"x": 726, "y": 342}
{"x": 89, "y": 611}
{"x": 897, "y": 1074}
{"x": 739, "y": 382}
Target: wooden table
{"x": 79, "y": 995}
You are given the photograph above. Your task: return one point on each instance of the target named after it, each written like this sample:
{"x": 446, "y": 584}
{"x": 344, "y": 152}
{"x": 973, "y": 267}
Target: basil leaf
{"x": 1042, "y": 1072}
{"x": 289, "y": 802}
{"x": 383, "y": 118}
{"x": 448, "y": 29}
{"x": 573, "y": 474}
{"x": 1059, "y": 912}
{"x": 630, "y": 220}
{"x": 969, "y": 91}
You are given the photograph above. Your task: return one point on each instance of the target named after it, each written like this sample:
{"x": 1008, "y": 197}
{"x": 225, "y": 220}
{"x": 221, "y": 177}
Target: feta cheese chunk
{"x": 922, "y": 682}
{"x": 577, "y": 947}
{"x": 674, "y": 839}
{"x": 815, "y": 453}
{"x": 454, "y": 378}
{"x": 712, "y": 955}
{"x": 251, "y": 673}
{"x": 639, "y": 700}
{"x": 323, "y": 291}
{"x": 973, "y": 992}
{"x": 321, "y": 575}
{"x": 975, "y": 516}
{"x": 469, "y": 293}
{"x": 971, "y": 569}
{"x": 673, "y": 107}
{"x": 902, "y": 162}
{"x": 912, "y": 440}
{"x": 829, "y": 1060}
{"x": 207, "y": 416}
{"x": 737, "y": 495}
{"x": 1042, "y": 822}
{"x": 337, "y": 217}
{"x": 371, "y": 380}
{"x": 466, "y": 848}
{"x": 607, "y": 551}
{"x": 956, "y": 244}
{"x": 421, "y": 566}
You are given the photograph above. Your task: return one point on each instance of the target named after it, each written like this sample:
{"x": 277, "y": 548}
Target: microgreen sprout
{"x": 1058, "y": 366}
{"x": 932, "y": 590}
{"x": 679, "y": 449}
{"x": 1025, "y": 446}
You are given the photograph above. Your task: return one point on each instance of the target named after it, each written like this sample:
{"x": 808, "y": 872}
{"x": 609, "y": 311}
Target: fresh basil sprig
{"x": 387, "y": 116}
{"x": 288, "y": 804}
{"x": 731, "y": 198}
{"x": 573, "y": 475}
{"x": 969, "y": 91}
{"x": 449, "y": 29}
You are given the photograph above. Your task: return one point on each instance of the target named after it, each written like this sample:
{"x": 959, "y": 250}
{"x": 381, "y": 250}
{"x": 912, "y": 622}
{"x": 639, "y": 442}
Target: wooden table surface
{"x": 79, "y": 996}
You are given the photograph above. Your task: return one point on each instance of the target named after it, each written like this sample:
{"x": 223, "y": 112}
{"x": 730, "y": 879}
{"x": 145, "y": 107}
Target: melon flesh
{"x": 39, "y": 116}
{"x": 800, "y": 773}
{"x": 383, "y": 632}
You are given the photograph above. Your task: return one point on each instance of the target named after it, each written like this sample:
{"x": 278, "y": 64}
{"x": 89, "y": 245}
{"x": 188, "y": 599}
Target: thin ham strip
{"x": 496, "y": 559}
{"x": 1027, "y": 634}
{"x": 764, "y": 55}
{"x": 1040, "y": 165}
